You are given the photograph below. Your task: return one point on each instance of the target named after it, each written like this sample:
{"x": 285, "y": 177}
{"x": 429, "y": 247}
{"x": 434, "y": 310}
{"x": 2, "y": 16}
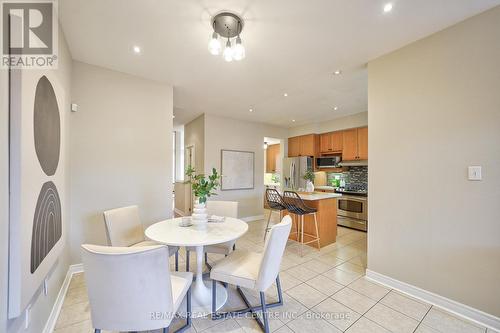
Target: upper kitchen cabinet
{"x": 331, "y": 143}
{"x": 272, "y": 154}
{"x": 304, "y": 145}
{"x": 355, "y": 144}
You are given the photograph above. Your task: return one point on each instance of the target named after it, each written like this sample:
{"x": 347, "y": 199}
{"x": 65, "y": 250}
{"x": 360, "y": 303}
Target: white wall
{"x": 227, "y": 133}
{"x": 351, "y": 121}
{"x": 434, "y": 109}
{"x": 121, "y": 150}
{"x": 194, "y": 135}
{"x": 41, "y": 305}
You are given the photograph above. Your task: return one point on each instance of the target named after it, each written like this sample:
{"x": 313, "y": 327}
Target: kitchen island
{"x": 326, "y": 205}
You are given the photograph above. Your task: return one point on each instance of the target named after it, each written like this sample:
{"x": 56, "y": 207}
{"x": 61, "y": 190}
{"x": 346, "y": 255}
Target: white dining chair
{"x": 132, "y": 288}
{"x": 255, "y": 271}
{"x": 219, "y": 208}
{"x": 124, "y": 228}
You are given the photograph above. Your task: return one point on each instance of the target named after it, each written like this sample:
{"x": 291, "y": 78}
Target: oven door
{"x": 351, "y": 206}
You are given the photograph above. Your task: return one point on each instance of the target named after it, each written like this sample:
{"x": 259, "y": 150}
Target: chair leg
{"x": 165, "y": 330}
{"x": 187, "y": 260}
{"x": 264, "y": 311}
{"x": 234, "y": 247}
{"x": 317, "y": 232}
{"x": 97, "y": 330}
{"x": 177, "y": 261}
{"x": 267, "y": 225}
{"x": 301, "y": 235}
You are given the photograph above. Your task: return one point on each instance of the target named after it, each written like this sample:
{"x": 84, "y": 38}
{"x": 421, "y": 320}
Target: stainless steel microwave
{"x": 327, "y": 162}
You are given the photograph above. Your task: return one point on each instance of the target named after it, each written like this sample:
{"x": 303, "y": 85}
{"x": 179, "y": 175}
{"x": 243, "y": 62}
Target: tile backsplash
{"x": 355, "y": 175}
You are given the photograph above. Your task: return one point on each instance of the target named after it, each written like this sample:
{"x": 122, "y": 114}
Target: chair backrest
{"x": 223, "y": 208}
{"x": 123, "y": 226}
{"x": 274, "y": 199}
{"x": 273, "y": 253}
{"x": 127, "y": 285}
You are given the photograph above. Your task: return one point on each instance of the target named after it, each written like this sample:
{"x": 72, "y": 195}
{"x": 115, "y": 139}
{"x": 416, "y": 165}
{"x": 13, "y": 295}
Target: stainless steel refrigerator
{"x": 294, "y": 169}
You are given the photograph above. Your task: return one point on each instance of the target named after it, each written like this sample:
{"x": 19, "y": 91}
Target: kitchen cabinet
{"x": 304, "y": 145}
{"x": 272, "y": 155}
{"x": 331, "y": 142}
{"x": 355, "y": 144}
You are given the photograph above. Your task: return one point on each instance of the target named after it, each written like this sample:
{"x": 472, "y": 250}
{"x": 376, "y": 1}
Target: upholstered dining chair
{"x": 256, "y": 271}
{"x": 124, "y": 228}
{"x": 132, "y": 288}
{"x": 220, "y": 208}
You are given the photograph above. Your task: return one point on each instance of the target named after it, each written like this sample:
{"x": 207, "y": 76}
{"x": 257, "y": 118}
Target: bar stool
{"x": 295, "y": 205}
{"x": 275, "y": 203}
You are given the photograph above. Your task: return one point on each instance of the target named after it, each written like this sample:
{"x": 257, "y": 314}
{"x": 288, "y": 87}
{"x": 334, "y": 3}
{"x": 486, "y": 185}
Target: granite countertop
{"x": 319, "y": 196}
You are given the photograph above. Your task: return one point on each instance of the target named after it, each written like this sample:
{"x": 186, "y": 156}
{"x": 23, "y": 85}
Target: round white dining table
{"x": 198, "y": 235}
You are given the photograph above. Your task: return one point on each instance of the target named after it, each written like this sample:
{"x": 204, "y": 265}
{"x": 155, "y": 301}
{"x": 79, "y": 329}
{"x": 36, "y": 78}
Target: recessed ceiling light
{"x": 293, "y": 120}
{"x": 137, "y": 49}
{"x": 285, "y": 94}
{"x": 251, "y": 110}
{"x": 337, "y": 72}
{"x": 387, "y": 7}
{"x": 335, "y": 108}
{"x": 173, "y": 116}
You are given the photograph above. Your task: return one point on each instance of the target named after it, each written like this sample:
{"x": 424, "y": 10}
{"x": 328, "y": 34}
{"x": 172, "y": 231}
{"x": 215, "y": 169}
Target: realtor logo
{"x": 29, "y": 34}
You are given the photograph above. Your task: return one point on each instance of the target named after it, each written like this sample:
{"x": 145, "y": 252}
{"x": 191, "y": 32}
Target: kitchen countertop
{"x": 325, "y": 187}
{"x": 319, "y": 196}
{"x": 272, "y": 184}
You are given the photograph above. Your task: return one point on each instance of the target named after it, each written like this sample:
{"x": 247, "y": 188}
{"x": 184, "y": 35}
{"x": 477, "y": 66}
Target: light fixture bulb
{"x": 337, "y": 72}
{"x": 335, "y": 108}
{"x": 137, "y": 49}
{"x": 387, "y": 7}
{"x": 228, "y": 51}
{"x": 214, "y": 46}
{"x": 239, "y": 50}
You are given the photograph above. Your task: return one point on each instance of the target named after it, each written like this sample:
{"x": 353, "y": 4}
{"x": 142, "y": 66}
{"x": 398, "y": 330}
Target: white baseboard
{"x": 252, "y": 218}
{"x": 56, "y": 309}
{"x": 447, "y": 304}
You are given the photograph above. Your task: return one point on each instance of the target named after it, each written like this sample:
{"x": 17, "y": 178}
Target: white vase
{"x": 200, "y": 214}
{"x": 309, "y": 186}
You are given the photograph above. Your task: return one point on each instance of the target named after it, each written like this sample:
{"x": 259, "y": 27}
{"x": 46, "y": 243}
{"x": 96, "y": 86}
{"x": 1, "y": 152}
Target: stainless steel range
{"x": 352, "y": 207}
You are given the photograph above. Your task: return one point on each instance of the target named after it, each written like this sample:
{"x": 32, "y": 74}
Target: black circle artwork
{"x": 47, "y": 126}
{"x": 47, "y": 224}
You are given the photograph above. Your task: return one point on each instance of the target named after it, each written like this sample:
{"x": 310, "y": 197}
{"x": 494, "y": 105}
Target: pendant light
{"x": 227, "y": 25}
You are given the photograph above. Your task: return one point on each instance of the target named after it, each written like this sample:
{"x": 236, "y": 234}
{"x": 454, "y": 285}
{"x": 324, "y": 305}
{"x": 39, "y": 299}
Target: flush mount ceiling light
{"x": 387, "y": 7}
{"x": 337, "y": 72}
{"x": 227, "y": 26}
{"x": 137, "y": 49}
{"x": 265, "y": 145}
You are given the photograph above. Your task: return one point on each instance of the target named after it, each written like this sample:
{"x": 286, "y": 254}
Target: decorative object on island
{"x": 237, "y": 169}
{"x": 309, "y": 177}
{"x": 202, "y": 189}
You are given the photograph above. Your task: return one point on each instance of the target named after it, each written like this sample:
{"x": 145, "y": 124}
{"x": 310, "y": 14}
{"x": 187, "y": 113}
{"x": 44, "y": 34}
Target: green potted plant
{"x": 309, "y": 177}
{"x": 203, "y": 188}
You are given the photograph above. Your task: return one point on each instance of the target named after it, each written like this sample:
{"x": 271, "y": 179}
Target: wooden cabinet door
{"x": 350, "y": 144}
{"x": 269, "y": 159}
{"x": 307, "y": 145}
{"x": 294, "y": 146}
{"x": 337, "y": 141}
{"x": 325, "y": 143}
{"x": 363, "y": 143}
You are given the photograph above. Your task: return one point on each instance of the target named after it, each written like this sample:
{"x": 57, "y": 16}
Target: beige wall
{"x": 194, "y": 134}
{"x": 434, "y": 109}
{"x": 226, "y": 133}
{"x": 351, "y": 121}
{"x": 121, "y": 150}
{"x": 41, "y": 305}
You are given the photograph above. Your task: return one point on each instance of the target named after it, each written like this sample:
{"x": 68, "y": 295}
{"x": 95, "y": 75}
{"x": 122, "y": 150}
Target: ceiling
{"x": 292, "y": 47}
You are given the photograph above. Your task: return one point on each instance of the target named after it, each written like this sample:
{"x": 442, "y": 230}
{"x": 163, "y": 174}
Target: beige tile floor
{"x": 324, "y": 291}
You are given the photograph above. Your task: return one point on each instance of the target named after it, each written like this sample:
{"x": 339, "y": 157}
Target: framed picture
{"x": 237, "y": 170}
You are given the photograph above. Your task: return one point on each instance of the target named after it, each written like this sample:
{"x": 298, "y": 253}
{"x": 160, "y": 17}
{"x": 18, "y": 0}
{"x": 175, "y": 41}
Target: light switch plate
{"x": 475, "y": 173}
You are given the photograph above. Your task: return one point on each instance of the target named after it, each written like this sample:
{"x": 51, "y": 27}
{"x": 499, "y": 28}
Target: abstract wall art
{"x": 37, "y": 182}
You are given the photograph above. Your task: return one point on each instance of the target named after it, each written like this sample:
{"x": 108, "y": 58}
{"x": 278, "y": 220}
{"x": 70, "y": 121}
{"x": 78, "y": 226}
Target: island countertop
{"x": 318, "y": 196}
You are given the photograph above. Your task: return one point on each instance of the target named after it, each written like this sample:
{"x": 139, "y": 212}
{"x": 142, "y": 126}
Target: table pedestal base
{"x": 201, "y": 299}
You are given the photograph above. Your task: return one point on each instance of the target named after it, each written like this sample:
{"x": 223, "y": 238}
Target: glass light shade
{"x": 228, "y": 52}
{"x": 214, "y": 46}
{"x": 239, "y": 50}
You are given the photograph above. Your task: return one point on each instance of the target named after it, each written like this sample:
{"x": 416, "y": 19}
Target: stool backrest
{"x": 223, "y": 208}
{"x": 127, "y": 285}
{"x": 274, "y": 199}
{"x": 294, "y": 203}
{"x": 273, "y": 253}
{"x": 123, "y": 226}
